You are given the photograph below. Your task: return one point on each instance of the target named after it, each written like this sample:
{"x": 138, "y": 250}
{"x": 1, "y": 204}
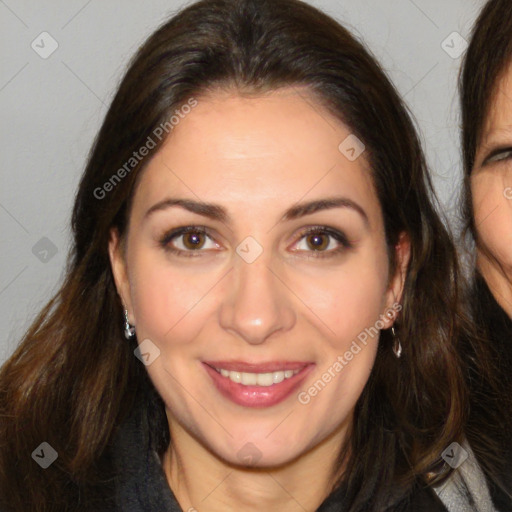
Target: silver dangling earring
{"x": 397, "y": 347}
{"x": 129, "y": 330}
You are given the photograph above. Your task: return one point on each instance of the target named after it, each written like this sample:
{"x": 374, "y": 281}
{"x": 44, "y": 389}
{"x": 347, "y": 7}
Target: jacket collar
{"x": 141, "y": 484}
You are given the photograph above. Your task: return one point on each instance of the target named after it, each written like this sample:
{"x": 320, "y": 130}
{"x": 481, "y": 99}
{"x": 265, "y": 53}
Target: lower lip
{"x": 257, "y": 396}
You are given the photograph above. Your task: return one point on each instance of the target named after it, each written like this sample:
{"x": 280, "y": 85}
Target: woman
{"x": 261, "y": 308}
{"x": 486, "y": 89}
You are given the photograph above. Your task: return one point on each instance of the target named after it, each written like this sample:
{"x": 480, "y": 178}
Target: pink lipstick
{"x": 257, "y": 384}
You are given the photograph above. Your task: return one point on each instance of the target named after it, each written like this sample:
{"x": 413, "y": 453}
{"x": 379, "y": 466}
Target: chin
{"x": 256, "y": 454}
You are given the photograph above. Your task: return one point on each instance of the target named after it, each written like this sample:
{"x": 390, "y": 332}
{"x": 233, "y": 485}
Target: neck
{"x": 498, "y": 279}
{"x": 202, "y": 481}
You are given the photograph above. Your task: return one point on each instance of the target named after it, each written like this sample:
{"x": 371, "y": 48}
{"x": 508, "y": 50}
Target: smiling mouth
{"x": 257, "y": 385}
{"x": 257, "y": 379}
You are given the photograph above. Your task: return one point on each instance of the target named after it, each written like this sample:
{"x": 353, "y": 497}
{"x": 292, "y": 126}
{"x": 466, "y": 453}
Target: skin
{"x": 256, "y": 156}
{"x": 491, "y": 187}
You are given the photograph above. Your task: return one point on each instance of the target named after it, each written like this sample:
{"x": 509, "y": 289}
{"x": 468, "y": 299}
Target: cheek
{"x": 492, "y": 204}
{"x": 348, "y": 299}
{"x": 166, "y": 300}
{"x": 350, "y": 303}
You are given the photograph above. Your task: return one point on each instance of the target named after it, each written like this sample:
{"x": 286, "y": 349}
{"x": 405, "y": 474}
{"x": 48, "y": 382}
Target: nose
{"x": 258, "y": 302}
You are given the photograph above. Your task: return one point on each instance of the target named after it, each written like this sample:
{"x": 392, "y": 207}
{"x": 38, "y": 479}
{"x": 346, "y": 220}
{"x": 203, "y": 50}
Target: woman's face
{"x": 491, "y": 183}
{"x": 253, "y": 314}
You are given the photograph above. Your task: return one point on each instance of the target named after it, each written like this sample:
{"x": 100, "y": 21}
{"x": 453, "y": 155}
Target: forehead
{"x": 270, "y": 149}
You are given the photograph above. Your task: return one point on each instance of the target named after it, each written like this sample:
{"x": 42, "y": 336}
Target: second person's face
{"x": 491, "y": 187}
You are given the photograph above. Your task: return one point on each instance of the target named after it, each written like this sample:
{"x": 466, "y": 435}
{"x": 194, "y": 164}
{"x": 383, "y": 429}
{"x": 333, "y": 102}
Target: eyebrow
{"x": 219, "y": 213}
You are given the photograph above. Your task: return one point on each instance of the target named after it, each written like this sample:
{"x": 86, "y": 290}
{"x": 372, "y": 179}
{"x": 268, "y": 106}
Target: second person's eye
{"x": 499, "y": 155}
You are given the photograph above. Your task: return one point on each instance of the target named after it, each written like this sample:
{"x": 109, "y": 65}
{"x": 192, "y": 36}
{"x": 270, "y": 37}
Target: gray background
{"x": 52, "y": 108}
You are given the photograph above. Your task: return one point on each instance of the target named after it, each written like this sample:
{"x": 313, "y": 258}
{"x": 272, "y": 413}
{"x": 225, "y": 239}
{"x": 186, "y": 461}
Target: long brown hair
{"x": 73, "y": 378}
{"x": 488, "y": 360}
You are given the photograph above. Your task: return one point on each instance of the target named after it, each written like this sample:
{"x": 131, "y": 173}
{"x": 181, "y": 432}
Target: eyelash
{"x": 498, "y": 153}
{"x": 165, "y": 240}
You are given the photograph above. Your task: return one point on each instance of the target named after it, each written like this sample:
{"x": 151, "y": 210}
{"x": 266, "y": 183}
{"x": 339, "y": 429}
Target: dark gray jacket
{"x": 143, "y": 485}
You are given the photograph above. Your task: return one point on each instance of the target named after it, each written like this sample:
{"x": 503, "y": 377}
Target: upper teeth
{"x": 257, "y": 379}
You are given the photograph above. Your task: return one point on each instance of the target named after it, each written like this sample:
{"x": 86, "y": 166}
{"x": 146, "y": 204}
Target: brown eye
{"x": 322, "y": 242}
{"x": 193, "y": 240}
{"x": 317, "y": 241}
{"x": 188, "y": 241}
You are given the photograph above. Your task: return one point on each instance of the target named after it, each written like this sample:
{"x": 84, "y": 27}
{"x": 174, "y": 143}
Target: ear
{"x": 119, "y": 270}
{"x": 397, "y": 280}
